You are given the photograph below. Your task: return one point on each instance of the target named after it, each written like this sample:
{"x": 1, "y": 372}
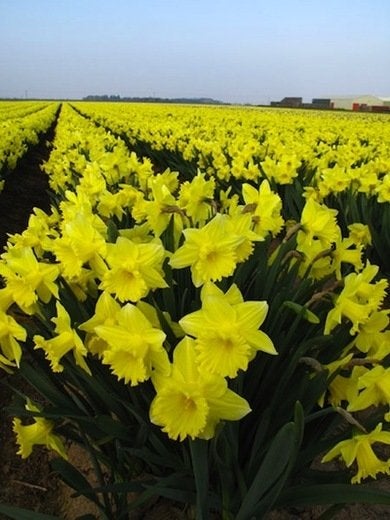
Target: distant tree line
{"x": 151, "y": 99}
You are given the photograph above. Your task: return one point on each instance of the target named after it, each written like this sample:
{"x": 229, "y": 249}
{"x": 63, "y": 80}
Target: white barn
{"x": 357, "y": 102}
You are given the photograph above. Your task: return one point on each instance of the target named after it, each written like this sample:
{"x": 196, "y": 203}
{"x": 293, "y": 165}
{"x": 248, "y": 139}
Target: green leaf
{"x": 112, "y": 231}
{"x": 271, "y": 475}
{"x": 18, "y": 513}
{"x": 74, "y": 479}
{"x": 45, "y": 386}
{"x": 332, "y": 494}
{"x": 111, "y": 427}
{"x": 200, "y": 464}
{"x": 303, "y": 311}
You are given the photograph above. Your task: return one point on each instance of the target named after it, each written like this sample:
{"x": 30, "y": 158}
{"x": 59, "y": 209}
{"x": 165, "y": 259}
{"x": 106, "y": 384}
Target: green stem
{"x": 199, "y": 458}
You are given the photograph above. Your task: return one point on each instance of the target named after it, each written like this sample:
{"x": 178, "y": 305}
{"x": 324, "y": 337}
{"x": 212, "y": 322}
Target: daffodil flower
{"x": 358, "y": 299}
{"x": 106, "y": 310}
{"x": 40, "y": 432}
{"x": 134, "y": 347}
{"x": 226, "y": 331}
{"x": 359, "y": 448}
{"x": 374, "y": 386}
{"x": 191, "y": 402}
{"x": 134, "y": 269}
{"x": 210, "y": 252}
{"x": 28, "y": 279}
{"x": 66, "y": 340}
{"x": 265, "y": 207}
{"x": 11, "y": 333}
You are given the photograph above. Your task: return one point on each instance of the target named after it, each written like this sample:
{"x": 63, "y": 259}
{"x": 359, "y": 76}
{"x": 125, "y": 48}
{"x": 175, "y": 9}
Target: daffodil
{"x": 345, "y": 387}
{"x": 134, "y": 347}
{"x": 195, "y": 198}
{"x": 372, "y": 334}
{"x": 265, "y": 206}
{"x": 344, "y": 251}
{"x": 106, "y": 310}
{"x": 210, "y": 252}
{"x": 28, "y": 279}
{"x": 374, "y": 386}
{"x": 283, "y": 170}
{"x": 358, "y": 299}
{"x": 383, "y": 189}
{"x": 160, "y": 207}
{"x": 359, "y": 449}
{"x": 11, "y": 334}
{"x": 226, "y": 332}
{"x": 318, "y": 223}
{"x": 360, "y": 234}
{"x": 189, "y": 401}
{"x": 40, "y": 432}
{"x": 81, "y": 241}
{"x": 66, "y": 340}
{"x": 135, "y": 269}
{"x": 314, "y": 259}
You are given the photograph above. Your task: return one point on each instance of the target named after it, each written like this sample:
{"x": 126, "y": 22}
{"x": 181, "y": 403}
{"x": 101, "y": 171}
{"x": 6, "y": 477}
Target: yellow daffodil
{"x": 344, "y": 251}
{"x": 65, "y": 340}
{"x": 190, "y": 402}
{"x": 374, "y": 386}
{"x": 372, "y": 334}
{"x": 318, "y": 223}
{"x": 360, "y": 234}
{"x": 134, "y": 347}
{"x": 315, "y": 259}
{"x": 40, "y": 432}
{"x": 211, "y": 252}
{"x": 227, "y": 334}
{"x": 359, "y": 448}
{"x": 383, "y": 189}
{"x": 159, "y": 209}
{"x": 106, "y": 310}
{"x": 283, "y": 170}
{"x": 345, "y": 387}
{"x": 11, "y": 333}
{"x": 81, "y": 242}
{"x": 27, "y": 279}
{"x": 265, "y": 206}
{"x": 240, "y": 224}
{"x": 358, "y": 299}
{"x": 135, "y": 269}
{"x": 195, "y": 198}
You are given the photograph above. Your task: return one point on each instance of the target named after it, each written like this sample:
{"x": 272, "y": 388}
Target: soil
{"x": 23, "y": 483}
{"x": 30, "y": 483}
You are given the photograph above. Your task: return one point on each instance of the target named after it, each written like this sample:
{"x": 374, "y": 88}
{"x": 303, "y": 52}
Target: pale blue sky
{"x": 243, "y": 51}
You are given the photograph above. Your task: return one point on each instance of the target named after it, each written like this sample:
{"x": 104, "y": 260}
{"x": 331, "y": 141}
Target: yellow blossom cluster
{"x": 333, "y": 152}
{"x": 125, "y": 238}
{"x": 20, "y": 126}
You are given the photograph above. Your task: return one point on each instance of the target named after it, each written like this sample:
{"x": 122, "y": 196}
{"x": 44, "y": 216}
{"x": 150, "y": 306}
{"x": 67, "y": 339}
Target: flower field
{"x": 20, "y": 125}
{"x": 204, "y": 309}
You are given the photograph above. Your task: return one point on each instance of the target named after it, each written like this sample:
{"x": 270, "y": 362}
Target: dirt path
{"x": 25, "y": 188}
{"x": 23, "y": 483}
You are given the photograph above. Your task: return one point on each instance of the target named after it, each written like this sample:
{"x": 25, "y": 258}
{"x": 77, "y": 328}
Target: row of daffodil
{"x": 17, "y": 109}
{"x": 332, "y": 152}
{"x": 121, "y": 238}
{"x": 20, "y": 126}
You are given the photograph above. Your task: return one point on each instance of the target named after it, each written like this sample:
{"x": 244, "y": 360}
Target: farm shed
{"x": 359, "y": 102}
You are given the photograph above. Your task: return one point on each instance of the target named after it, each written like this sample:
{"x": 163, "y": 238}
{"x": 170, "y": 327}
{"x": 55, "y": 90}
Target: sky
{"x": 238, "y": 51}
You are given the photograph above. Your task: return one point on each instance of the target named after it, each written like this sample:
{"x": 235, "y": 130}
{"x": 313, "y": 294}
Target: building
{"x": 321, "y": 103}
{"x": 293, "y": 102}
{"x": 361, "y": 103}
{"x": 366, "y": 103}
